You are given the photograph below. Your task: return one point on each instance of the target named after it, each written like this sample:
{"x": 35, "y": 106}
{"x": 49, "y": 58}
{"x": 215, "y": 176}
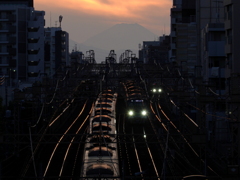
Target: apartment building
{"x": 183, "y": 34}
{"x": 21, "y": 44}
{"x": 232, "y": 29}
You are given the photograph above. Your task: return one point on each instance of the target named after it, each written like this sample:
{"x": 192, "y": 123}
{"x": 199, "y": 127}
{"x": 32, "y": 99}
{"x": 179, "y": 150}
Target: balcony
{"x": 12, "y": 62}
{"x": 3, "y": 40}
{"x": 33, "y": 70}
{"x": 33, "y": 51}
{"x": 12, "y": 40}
{"x": 216, "y": 27}
{"x": 3, "y": 29}
{"x": 32, "y": 74}
{"x": 4, "y": 53}
{"x": 227, "y": 2}
{"x": 216, "y": 48}
{"x": 33, "y": 57}
{"x": 9, "y": 17}
{"x": 33, "y": 40}
{"x": 33, "y": 29}
{"x": 12, "y": 51}
{"x": 4, "y": 63}
{"x": 7, "y": 40}
{"x": 11, "y": 29}
{"x": 33, "y": 63}
{"x": 12, "y": 17}
{"x": 33, "y": 46}
{"x": 216, "y": 72}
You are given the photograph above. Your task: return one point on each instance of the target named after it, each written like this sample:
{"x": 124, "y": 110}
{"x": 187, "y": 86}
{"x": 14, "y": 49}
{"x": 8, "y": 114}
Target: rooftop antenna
{"x": 139, "y": 46}
{"x": 50, "y": 19}
{"x": 164, "y": 29}
{"x": 60, "y": 20}
{"x": 75, "y": 47}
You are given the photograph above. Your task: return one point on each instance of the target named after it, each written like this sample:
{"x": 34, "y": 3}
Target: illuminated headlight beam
{"x": 130, "y": 113}
{"x": 144, "y": 112}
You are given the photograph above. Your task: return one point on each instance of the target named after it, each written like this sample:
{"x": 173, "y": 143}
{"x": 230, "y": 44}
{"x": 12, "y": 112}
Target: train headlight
{"x": 144, "y": 112}
{"x": 159, "y": 90}
{"x": 130, "y": 113}
{"x": 154, "y": 90}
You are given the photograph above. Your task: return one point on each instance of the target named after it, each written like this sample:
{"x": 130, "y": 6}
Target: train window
{"x": 106, "y": 100}
{"x": 100, "y": 151}
{"x": 103, "y": 111}
{"x": 96, "y": 139}
{"x": 136, "y": 100}
{"x": 102, "y": 127}
{"x": 101, "y": 119}
{"x": 104, "y": 105}
{"x": 97, "y": 169}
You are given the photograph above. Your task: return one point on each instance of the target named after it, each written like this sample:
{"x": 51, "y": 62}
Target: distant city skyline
{"x": 84, "y": 19}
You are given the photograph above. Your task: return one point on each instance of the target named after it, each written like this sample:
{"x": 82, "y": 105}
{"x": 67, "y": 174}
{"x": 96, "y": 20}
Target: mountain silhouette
{"x": 119, "y": 38}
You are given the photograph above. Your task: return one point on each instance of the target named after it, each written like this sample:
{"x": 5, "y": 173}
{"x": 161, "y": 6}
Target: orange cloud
{"x": 115, "y": 8}
{"x": 91, "y": 16}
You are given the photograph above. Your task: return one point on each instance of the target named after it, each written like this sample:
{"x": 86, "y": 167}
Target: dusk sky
{"x": 83, "y": 19}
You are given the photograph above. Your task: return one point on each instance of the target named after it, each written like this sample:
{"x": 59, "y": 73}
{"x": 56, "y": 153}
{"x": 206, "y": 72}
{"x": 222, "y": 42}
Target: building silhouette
{"x": 56, "y": 50}
{"x": 22, "y": 44}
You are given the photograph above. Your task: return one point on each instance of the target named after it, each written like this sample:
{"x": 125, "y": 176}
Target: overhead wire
{"x": 186, "y": 139}
{"x": 39, "y": 117}
{"x": 172, "y": 139}
{"x": 54, "y": 120}
{"x": 213, "y": 115}
{"x": 44, "y": 132}
{"x": 31, "y": 146}
{"x": 54, "y": 93}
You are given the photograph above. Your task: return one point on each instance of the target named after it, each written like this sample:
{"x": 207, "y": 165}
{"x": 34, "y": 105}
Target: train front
{"x": 137, "y": 112}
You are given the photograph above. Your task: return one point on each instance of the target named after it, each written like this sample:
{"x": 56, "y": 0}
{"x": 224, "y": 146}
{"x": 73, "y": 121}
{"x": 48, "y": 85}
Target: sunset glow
{"x": 152, "y": 14}
{"x": 131, "y": 8}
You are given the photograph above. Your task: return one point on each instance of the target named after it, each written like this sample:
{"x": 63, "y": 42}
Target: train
{"x": 155, "y": 91}
{"x": 155, "y": 88}
{"x": 100, "y": 159}
{"x": 136, "y": 103}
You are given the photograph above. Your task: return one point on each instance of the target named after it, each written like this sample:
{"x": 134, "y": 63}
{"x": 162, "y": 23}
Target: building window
{"x": 216, "y": 36}
{"x": 228, "y": 12}
{"x": 229, "y": 36}
{"x": 229, "y": 60}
